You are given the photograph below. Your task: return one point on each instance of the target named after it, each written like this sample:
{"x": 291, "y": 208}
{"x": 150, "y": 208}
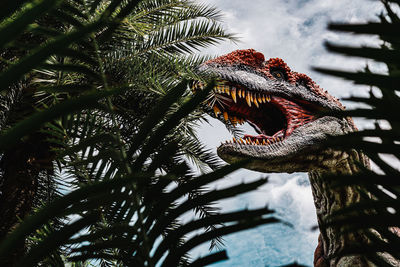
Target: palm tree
{"x": 96, "y": 124}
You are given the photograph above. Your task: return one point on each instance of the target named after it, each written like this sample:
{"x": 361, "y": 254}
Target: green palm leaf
{"x": 99, "y": 106}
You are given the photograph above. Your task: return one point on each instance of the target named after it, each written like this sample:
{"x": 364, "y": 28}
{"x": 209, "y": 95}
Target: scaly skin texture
{"x": 282, "y": 105}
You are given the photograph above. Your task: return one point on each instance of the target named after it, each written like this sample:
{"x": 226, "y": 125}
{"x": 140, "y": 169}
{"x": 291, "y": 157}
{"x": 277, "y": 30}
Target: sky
{"x": 294, "y": 30}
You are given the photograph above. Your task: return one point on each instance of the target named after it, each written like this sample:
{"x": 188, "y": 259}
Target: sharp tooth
{"x": 227, "y": 91}
{"x": 259, "y": 98}
{"x": 248, "y": 100}
{"x": 240, "y": 93}
{"x": 257, "y": 142}
{"x": 255, "y": 102}
{"x": 233, "y": 94}
{"x": 264, "y": 143}
{"x": 233, "y": 120}
{"x": 268, "y": 98}
{"x": 225, "y": 116}
{"x": 216, "y": 111}
{"x": 269, "y": 142}
{"x": 247, "y": 141}
{"x": 241, "y": 141}
{"x": 263, "y": 98}
{"x": 234, "y": 139}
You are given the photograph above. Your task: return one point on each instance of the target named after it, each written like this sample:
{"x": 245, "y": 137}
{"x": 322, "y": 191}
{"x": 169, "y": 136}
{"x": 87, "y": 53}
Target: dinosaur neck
{"x": 329, "y": 199}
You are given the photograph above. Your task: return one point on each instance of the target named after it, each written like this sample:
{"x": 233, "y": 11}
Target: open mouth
{"x": 273, "y": 117}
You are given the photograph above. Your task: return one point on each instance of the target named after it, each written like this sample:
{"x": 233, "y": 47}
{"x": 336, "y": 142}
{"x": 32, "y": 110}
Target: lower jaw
{"x": 278, "y": 136}
{"x": 262, "y": 140}
{"x": 266, "y": 139}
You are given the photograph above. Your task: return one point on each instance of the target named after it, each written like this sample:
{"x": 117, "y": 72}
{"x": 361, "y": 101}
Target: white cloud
{"x": 295, "y": 31}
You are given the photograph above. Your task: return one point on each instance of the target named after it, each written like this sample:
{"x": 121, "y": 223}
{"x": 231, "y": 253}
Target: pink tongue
{"x": 262, "y": 136}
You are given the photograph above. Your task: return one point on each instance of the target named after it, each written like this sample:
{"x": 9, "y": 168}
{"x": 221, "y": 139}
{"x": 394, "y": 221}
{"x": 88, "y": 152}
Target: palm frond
{"x": 105, "y": 121}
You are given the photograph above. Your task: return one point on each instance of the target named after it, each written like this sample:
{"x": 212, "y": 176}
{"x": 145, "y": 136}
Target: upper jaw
{"x": 255, "y": 81}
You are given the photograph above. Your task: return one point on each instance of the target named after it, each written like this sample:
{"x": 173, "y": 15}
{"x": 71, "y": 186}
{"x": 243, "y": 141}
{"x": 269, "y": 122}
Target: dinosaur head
{"x": 281, "y": 105}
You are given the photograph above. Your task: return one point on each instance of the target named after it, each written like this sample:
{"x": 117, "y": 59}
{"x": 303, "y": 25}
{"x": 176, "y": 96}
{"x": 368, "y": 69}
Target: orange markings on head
{"x": 278, "y": 63}
{"x": 248, "y": 57}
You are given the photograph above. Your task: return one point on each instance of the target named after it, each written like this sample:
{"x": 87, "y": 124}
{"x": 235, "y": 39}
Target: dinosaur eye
{"x": 278, "y": 74}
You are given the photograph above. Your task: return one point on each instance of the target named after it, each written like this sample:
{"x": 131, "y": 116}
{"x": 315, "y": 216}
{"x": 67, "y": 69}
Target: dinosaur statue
{"x": 282, "y": 106}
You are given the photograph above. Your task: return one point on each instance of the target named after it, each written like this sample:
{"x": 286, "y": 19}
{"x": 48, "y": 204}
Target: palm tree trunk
{"x": 18, "y": 190}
